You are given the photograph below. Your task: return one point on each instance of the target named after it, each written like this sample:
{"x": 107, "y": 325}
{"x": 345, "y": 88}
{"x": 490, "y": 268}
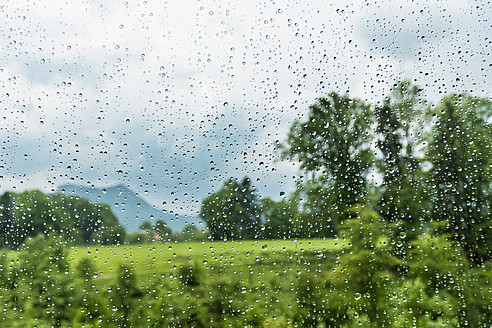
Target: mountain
{"x": 130, "y": 209}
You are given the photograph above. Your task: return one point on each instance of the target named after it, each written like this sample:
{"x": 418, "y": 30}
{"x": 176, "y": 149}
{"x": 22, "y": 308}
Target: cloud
{"x": 173, "y": 98}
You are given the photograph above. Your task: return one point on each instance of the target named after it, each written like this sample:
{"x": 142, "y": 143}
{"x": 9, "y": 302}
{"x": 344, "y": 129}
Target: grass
{"x": 161, "y": 258}
{"x": 260, "y": 274}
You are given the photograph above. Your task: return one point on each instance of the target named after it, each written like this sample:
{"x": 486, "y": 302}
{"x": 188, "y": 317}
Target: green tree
{"x": 191, "y": 232}
{"x": 124, "y": 294}
{"x": 356, "y": 290}
{"x": 94, "y": 223}
{"x": 278, "y": 218}
{"x": 76, "y": 219}
{"x": 399, "y": 131}
{"x": 146, "y": 226}
{"x": 109, "y": 230}
{"x": 35, "y": 213}
{"x": 461, "y": 155}
{"x": 333, "y": 148}
{"x": 81, "y": 212}
{"x": 45, "y": 288}
{"x": 7, "y": 203}
{"x": 403, "y": 197}
{"x": 163, "y": 230}
{"x": 442, "y": 288}
{"x": 93, "y": 307}
{"x": 233, "y": 211}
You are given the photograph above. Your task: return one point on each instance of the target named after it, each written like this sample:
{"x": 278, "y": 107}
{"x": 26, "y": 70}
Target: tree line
{"x": 29, "y": 213}
{"x": 160, "y": 232}
{"x": 424, "y": 168}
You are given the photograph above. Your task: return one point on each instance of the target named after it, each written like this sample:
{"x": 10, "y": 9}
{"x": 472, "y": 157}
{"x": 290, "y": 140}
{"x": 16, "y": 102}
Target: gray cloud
{"x": 173, "y": 99}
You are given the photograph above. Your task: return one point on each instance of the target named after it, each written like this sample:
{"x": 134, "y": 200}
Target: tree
{"x": 163, "y": 230}
{"x": 190, "y": 232}
{"x": 399, "y": 134}
{"x": 364, "y": 275}
{"x": 403, "y": 199}
{"x": 110, "y": 231}
{"x": 125, "y": 294}
{"x": 233, "y": 211}
{"x": 7, "y": 202}
{"x": 278, "y": 218}
{"x": 36, "y": 213}
{"x": 93, "y": 222}
{"x": 461, "y": 155}
{"x": 146, "y": 226}
{"x": 45, "y": 288}
{"x": 76, "y": 219}
{"x": 333, "y": 148}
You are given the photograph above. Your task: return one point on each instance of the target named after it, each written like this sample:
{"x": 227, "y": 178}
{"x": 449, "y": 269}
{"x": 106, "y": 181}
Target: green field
{"x": 255, "y": 280}
{"x": 160, "y": 258}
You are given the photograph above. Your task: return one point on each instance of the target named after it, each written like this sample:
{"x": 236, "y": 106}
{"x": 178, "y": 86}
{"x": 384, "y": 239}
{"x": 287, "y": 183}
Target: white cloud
{"x": 175, "y": 97}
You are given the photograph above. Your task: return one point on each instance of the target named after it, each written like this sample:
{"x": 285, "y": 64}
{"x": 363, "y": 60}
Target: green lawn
{"x": 159, "y": 258}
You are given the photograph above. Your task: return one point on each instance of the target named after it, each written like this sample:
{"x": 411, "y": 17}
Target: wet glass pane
{"x": 245, "y": 164}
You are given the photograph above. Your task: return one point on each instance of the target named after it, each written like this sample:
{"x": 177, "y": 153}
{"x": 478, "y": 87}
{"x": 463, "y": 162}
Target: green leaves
{"x": 233, "y": 211}
{"x": 461, "y": 155}
{"x": 333, "y": 148}
{"x": 79, "y": 221}
{"x": 333, "y": 140}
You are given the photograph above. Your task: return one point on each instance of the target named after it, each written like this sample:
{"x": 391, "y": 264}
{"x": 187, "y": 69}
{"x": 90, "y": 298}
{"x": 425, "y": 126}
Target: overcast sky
{"x": 172, "y": 97}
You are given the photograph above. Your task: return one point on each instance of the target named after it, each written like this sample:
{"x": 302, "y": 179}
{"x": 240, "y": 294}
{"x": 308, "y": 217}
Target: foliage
{"x": 189, "y": 275}
{"x": 280, "y": 283}
{"x": 43, "y": 287}
{"x": 7, "y": 204}
{"x": 146, "y": 226}
{"x": 401, "y": 257}
{"x": 233, "y": 211}
{"x": 461, "y": 155}
{"x": 333, "y": 148}
{"x": 399, "y": 140}
{"x": 192, "y": 233}
{"x": 79, "y": 221}
{"x": 278, "y": 218}
{"x": 124, "y": 295}
{"x": 161, "y": 228}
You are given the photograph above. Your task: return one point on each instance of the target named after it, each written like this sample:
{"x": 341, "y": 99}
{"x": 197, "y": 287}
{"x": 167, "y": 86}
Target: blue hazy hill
{"x": 130, "y": 209}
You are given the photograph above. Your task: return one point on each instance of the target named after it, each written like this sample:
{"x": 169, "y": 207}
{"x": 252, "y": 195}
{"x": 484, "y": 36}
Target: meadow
{"x": 243, "y": 283}
{"x": 236, "y": 256}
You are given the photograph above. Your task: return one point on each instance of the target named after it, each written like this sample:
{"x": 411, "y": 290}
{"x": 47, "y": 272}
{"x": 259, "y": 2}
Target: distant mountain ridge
{"x": 130, "y": 209}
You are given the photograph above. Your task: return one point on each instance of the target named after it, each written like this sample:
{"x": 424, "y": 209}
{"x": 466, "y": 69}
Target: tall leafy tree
{"x": 332, "y": 147}
{"x": 84, "y": 216}
{"x": 146, "y": 226}
{"x": 7, "y": 203}
{"x": 110, "y": 231}
{"x": 233, "y": 211}
{"x": 278, "y": 218}
{"x": 461, "y": 154}
{"x": 399, "y": 135}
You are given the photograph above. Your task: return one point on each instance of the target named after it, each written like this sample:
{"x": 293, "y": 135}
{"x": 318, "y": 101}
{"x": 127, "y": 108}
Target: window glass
{"x": 245, "y": 163}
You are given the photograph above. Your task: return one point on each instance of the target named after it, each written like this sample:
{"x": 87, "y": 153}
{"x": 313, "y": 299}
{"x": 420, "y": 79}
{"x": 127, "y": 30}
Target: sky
{"x": 171, "y": 98}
